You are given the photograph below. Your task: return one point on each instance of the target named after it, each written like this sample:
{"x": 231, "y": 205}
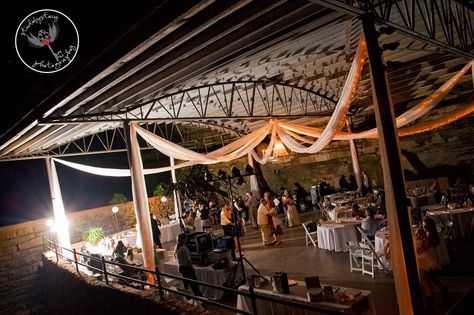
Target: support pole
{"x": 177, "y": 201}
{"x": 253, "y": 178}
{"x": 140, "y": 199}
{"x": 402, "y": 252}
{"x": 60, "y": 222}
{"x": 355, "y": 157}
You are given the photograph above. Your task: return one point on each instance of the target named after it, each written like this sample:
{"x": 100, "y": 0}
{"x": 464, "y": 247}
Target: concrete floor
{"x": 299, "y": 261}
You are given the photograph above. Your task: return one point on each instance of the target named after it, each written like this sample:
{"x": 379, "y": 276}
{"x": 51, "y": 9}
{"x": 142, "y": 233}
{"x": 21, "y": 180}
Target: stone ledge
{"x": 66, "y": 292}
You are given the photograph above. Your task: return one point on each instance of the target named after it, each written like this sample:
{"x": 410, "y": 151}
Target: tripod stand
{"x": 242, "y": 259}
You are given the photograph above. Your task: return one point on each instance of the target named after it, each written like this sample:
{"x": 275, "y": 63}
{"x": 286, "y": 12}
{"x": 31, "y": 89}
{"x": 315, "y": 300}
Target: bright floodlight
{"x": 115, "y": 209}
{"x": 163, "y": 199}
{"x": 49, "y": 223}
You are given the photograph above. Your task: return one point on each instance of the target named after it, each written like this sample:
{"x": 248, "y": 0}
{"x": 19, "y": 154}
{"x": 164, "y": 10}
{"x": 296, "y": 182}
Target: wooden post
{"x": 402, "y": 251}
{"x": 355, "y": 157}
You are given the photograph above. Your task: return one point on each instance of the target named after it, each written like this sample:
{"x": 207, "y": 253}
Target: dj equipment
{"x": 199, "y": 242}
{"x": 280, "y": 282}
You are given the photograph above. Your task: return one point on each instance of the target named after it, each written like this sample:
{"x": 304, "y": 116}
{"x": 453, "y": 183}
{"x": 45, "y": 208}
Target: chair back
{"x": 352, "y": 246}
{"x": 364, "y": 237}
{"x": 448, "y": 229}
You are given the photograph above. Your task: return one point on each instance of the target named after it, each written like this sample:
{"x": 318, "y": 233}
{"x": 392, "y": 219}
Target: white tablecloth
{"x": 204, "y": 274}
{"x": 297, "y": 295}
{"x": 334, "y": 236}
{"x": 169, "y": 232}
{"x": 130, "y": 240}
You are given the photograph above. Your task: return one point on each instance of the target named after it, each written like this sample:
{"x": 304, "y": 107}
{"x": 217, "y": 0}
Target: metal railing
{"x": 251, "y": 294}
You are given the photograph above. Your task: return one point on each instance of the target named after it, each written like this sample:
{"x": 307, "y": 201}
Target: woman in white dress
{"x": 293, "y": 217}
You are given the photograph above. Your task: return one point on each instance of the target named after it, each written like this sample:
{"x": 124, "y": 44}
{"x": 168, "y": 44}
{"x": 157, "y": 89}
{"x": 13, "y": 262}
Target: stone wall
{"x": 21, "y": 246}
{"x": 66, "y": 292}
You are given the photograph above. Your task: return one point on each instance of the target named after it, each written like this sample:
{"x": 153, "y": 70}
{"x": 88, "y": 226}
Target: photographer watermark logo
{"x": 47, "y": 41}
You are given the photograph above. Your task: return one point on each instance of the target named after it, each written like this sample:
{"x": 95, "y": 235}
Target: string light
{"x": 438, "y": 123}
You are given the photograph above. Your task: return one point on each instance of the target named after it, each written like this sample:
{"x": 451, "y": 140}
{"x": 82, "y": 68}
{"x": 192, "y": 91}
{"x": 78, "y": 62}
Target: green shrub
{"x": 93, "y": 235}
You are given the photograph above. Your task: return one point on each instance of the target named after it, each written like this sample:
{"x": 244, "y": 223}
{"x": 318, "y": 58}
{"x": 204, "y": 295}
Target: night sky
{"x": 24, "y": 190}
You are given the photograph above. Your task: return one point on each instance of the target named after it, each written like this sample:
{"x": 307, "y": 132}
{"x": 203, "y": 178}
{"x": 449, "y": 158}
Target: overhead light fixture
{"x": 390, "y": 46}
{"x": 386, "y": 30}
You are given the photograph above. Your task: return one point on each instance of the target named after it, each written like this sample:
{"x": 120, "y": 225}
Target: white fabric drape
{"x": 408, "y": 117}
{"x": 253, "y": 178}
{"x": 140, "y": 202}
{"x": 227, "y": 153}
{"x": 60, "y": 222}
{"x": 338, "y": 118}
{"x": 176, "y": 199}
{"x": 292, "y": 135}
{"x": 114, "y": 172}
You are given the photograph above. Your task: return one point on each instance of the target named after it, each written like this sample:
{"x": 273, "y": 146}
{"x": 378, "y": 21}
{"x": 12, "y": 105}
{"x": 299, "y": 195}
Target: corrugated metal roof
{"x": 296, "y": 43}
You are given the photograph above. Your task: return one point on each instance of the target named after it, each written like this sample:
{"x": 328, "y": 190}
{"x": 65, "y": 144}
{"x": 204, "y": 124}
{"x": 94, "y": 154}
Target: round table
{"x": 334, "y": 236}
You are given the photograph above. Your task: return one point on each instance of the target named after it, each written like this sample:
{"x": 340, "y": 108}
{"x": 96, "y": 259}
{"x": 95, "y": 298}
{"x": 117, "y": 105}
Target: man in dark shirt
{"x": 155, "y": 230}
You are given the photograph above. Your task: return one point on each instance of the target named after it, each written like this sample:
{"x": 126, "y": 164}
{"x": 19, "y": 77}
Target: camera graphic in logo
{"x": 47, "y": 41}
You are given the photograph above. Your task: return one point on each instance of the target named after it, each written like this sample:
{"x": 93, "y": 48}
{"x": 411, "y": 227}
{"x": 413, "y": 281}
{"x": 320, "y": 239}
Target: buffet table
{"x": 204, "y": 274}
{"x": 334, "y": 236}
{"x": 362, "y": 304}
{"x": 170, "y": 231}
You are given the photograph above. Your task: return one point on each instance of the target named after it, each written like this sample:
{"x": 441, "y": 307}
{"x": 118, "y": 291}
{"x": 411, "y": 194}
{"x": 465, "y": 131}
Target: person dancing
{"x": 264, "y": 211}
{"x": 293, "y": 217}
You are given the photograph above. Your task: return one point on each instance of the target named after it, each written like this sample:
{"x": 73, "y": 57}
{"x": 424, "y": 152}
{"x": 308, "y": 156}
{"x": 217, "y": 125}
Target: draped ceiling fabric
{"x": 294, "y": 136}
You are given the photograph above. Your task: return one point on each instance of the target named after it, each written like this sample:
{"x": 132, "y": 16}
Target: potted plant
{"x": 93, "y": 235}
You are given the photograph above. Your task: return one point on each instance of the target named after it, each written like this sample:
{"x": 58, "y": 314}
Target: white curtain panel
{"x": 408, "y": 117}
{"x": 338, "y": 118}
{"x": 114, "y": 172}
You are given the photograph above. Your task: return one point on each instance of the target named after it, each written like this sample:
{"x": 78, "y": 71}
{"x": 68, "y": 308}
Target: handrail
{"x": 251, "y": 294}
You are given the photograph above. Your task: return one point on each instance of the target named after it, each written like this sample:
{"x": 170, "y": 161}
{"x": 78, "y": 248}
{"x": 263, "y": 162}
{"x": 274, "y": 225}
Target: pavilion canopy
{"x": 227, "y": 67}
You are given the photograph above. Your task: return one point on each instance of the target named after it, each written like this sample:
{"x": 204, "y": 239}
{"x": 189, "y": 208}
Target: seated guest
{"x": 356, "y": 212}
{"x": 189, "y": 218}
{"x": 369, "y": 225}
{"x": 204, "y": 216}
{"x": 120, "y": 249}
{"x": 460, "y": 185}
{"x": 129, "y": 257}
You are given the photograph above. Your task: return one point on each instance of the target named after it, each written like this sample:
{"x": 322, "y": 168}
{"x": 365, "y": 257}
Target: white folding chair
{"x": 355, "y": 254}
{"x": 370, "y": 244}
{"x": 312, "y": 236}
{"x": 367, "y": 259}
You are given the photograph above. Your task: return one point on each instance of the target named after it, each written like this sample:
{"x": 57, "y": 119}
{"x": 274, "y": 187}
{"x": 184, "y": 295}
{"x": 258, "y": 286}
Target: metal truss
{"x": 212, "y": 102}
{"x": 196, "y": 135}
{"x": 420, "y": 19}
